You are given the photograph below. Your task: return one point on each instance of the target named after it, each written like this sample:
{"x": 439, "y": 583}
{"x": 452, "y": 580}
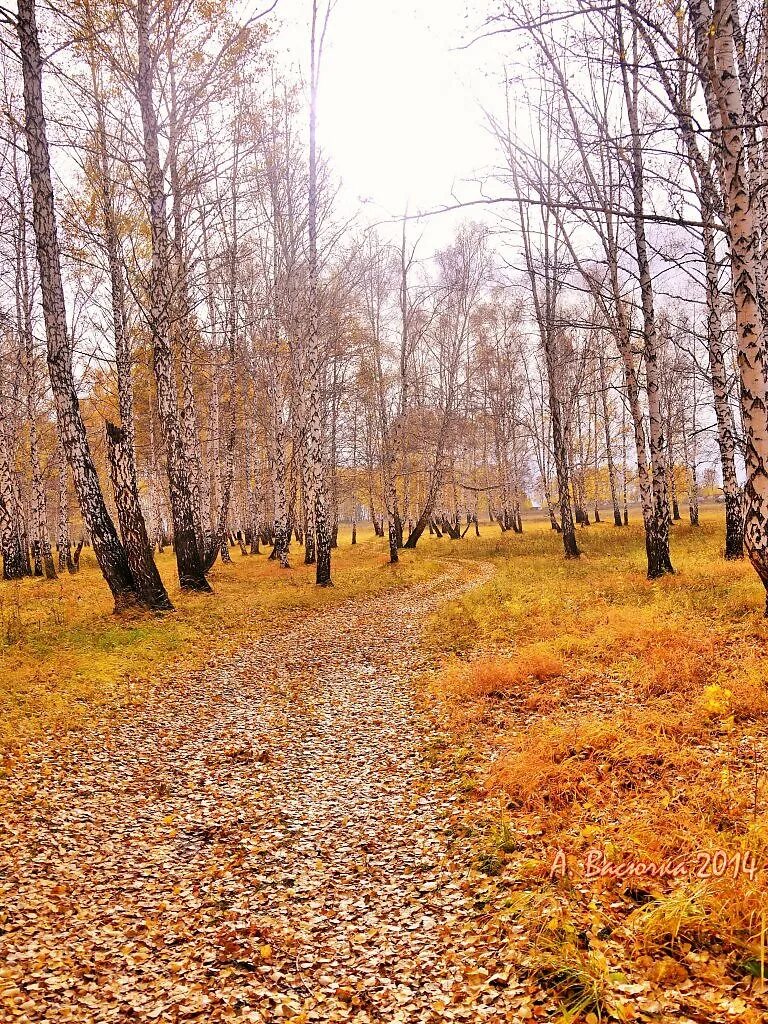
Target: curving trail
{"x": 266, "y": 843}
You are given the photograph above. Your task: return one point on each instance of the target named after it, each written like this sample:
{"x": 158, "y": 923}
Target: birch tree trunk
{"x": 188, "y": 555}
{"x": 715, "y": 38}
{"x": 726, "y": 430}
{"x": 544, "y": 309}
{"x": 308, "y": 503}
{"x": 64, "y": 541}
{"x": 108, "y": 550}
{"x": 225, "y": 473}
{"x": 690, "y": 453}
{"x": 131, "y": 518}
{"x": 182, "y": 322}
{"x": 278, "y": 474}
{"x": 116, "y": 281}
{"x": 608, "y": 440}
{"x": 436, "y": 476}
{"x": 121, "y": 444}
{"x": 41, "y": 536}
{"x": 314, "y": 351}
{"x": 657, "y": 526}
{"x": 14, "y": 555}
{"x": 254, "y": 490}
{"x": 710, "y": 201}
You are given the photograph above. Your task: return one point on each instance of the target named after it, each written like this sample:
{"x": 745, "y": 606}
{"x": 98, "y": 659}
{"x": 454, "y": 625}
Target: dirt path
{"x": 268, "y": 843}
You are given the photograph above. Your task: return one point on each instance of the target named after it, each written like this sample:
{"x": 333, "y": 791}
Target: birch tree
{"x": 107, "y": 546}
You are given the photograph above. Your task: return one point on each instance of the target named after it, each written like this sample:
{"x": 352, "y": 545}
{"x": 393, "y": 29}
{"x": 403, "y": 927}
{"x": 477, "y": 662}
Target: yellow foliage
{"x": 715, "y": 699}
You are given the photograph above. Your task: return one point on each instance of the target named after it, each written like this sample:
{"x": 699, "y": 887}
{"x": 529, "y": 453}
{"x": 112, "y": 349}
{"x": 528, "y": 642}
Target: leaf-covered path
{"x": 266, "y": 842}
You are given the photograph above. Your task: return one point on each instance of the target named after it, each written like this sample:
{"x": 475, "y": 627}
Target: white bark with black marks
{"x": 108, "y": 550}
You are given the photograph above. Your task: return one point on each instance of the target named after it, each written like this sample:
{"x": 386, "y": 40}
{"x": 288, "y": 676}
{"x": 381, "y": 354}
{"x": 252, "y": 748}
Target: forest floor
{"x": 66, "y": 660}
{"x": 264, "y": 840}
{"x": 380, "y": 803}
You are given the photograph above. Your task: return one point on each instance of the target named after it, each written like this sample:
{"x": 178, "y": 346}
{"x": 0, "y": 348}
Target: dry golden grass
{"x": 628, "y": 717}
{"x": 501, "y": 677}
{"x": 66, "y": 658}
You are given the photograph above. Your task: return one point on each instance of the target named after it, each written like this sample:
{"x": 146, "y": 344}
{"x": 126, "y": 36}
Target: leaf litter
{"x": 264, "y": 840}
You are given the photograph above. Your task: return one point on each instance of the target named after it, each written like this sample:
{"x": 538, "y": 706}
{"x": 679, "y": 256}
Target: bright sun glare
{"x": 400, "y": 113}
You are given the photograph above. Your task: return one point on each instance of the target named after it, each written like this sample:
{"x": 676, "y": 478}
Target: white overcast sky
{"x": 400, "y": 114}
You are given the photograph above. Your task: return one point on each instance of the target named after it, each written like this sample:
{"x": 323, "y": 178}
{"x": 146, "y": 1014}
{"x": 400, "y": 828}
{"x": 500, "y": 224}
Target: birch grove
{"x": 202, "y": 347}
